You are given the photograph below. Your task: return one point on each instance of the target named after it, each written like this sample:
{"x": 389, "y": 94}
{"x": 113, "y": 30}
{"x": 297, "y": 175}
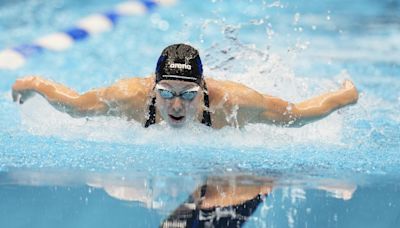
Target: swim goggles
{"x": 187, "y": 95}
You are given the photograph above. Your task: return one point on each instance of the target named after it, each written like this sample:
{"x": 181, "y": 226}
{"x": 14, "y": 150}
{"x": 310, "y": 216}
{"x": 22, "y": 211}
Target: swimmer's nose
{"x": 177, "y": 105}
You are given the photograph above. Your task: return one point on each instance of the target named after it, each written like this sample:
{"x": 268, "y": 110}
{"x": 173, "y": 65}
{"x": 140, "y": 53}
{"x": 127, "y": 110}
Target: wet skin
{"x": 178, "y": 111}
{"x": 231, "y": 103}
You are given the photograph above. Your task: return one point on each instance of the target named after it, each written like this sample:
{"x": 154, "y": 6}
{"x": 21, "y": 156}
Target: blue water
{"x": 342, "y": 171}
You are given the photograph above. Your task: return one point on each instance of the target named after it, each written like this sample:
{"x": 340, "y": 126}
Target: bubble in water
{"x": 296, "y": 18}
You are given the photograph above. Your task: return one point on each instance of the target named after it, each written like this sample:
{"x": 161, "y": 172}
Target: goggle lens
{"x": 186, "y": 95}
{"x": 166, "y": 94}
{"x": 189, "y": 95}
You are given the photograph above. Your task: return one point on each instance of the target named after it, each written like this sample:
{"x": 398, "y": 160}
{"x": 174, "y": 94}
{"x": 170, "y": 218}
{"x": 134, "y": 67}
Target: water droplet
{"x": 296, "y": 18}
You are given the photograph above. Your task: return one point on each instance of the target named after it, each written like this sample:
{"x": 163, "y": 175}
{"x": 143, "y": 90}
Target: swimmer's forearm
{"x": 318, "y": 107}
{"x": 61, "y": 97}
{"x": 66, "y": 100}
{"x": 278, "y": 111}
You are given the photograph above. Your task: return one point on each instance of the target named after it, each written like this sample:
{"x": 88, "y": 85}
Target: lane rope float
{"x": 15, "y": 57}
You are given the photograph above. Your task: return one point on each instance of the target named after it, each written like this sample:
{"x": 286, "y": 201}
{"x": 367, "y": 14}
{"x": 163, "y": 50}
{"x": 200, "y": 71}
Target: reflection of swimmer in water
{"x": 179, "y": 94}
{"x": 221, "y": 202}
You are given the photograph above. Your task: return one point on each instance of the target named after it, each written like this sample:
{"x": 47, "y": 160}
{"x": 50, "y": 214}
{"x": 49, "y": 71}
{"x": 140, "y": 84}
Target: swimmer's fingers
{"x": 22, "y": 89}
{"x": 14, "y": 95}
{"x": 16, "y": 92}
{"x": 21, "y": 96}
{"x": 25, "y": 95}
{"x": 350, "y": 90}
{"x": 347, "y": 84}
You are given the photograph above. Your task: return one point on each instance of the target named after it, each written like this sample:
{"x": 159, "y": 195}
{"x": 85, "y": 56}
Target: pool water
{"x": 342, "y": 171}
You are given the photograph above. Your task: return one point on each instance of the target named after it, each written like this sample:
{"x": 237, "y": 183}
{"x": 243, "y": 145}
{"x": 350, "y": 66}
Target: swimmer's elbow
{"x": 292, "y": 118}
{"x": 84, "y": 105}
{"x": 299, "y": 117}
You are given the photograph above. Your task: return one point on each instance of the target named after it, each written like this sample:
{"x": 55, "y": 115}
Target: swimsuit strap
{"x": 152, "y": 113}
{"x": 206, "y": 113}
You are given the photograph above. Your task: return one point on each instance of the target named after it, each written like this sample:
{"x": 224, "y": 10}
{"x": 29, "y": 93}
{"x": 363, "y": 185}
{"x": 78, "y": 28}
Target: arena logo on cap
{"x": 180, "y": 66}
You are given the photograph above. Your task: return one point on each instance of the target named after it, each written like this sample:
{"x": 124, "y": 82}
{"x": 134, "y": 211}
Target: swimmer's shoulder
{"x": 219, "y": 88}
{"x": 135, "y": 85}
{"x": 139, "y": 82}
{"x": 225, "y": 84}
{"x": 220, "y": 92}
{"x": 227, "y": 94}
{"x": 132, "y": 95}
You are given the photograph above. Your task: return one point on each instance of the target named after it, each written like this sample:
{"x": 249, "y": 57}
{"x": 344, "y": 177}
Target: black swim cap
{"x": 180, "y": 62}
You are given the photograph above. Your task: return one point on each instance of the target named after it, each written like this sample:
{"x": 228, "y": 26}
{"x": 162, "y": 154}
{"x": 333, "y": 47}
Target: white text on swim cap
{"x": 180, "y": 66}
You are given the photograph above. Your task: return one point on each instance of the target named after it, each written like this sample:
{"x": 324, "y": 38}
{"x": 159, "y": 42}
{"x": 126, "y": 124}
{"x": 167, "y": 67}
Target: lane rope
{"x": 15, "y": 57}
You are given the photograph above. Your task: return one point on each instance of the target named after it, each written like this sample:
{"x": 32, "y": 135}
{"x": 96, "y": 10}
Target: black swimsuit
{"x": 206, "y": 114}
{"x": 229, "y": 216}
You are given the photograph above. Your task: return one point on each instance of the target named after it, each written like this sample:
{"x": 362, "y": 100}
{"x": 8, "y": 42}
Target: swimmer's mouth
{"x": 176, "y": 118}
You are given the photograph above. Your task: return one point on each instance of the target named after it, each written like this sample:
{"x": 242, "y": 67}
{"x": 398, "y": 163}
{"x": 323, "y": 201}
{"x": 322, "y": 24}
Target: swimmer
{"x": 179, "y": 94}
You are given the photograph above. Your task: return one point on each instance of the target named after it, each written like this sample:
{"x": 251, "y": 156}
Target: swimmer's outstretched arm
{"x": 299, "y": 114}
{"x": 103, "y": 101}
{"x": 59, "y": 96}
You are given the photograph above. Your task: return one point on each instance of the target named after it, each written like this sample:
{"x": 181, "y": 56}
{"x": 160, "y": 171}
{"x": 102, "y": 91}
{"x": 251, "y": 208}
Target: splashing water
{"x": 256, "y": 51}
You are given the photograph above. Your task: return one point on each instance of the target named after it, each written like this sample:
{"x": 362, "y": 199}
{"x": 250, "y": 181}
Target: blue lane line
{"x": 28, "y": 49}
{"x": 150, "y": 4}
{"x": 77, "y": 33}
{"x": 112, "y": 16}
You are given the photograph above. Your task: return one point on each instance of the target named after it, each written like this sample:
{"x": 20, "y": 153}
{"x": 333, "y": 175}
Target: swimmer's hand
{"x": 24, "y": 88}
{"x": 350, "y": 92}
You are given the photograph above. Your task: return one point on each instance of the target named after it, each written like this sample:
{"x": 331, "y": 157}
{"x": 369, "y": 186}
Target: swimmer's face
{"x": 178, "y": 102}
